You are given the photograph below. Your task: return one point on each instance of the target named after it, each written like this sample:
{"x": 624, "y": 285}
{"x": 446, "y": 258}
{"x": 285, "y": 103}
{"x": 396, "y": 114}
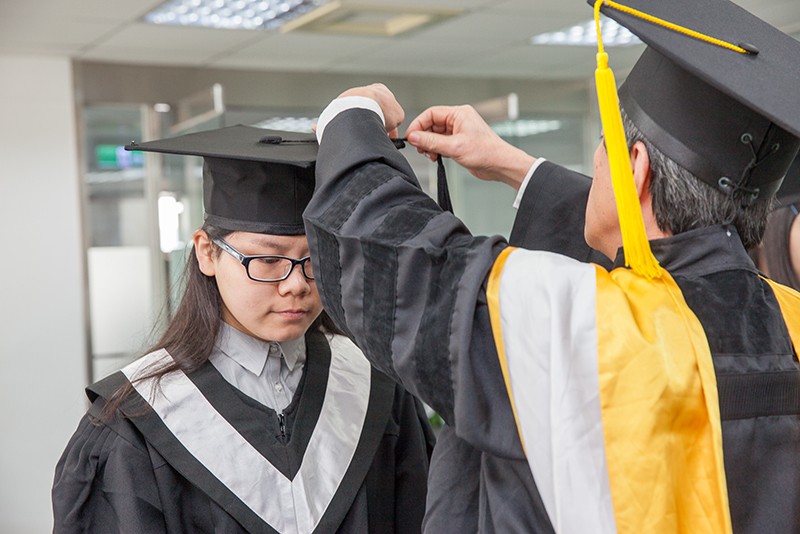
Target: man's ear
{"x": 204, "y": 251}
{"x": 642, "y": 176}
{"x": 640, "y": 163}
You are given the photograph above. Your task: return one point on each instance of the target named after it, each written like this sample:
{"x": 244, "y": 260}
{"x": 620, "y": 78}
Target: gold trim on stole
{"x": 493, "y": 299}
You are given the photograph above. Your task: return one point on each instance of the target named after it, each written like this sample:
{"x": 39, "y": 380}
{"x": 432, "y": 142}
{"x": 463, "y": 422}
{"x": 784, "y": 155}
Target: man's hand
{"x": 393, "y": 113}
{"x": 460, "y": 133}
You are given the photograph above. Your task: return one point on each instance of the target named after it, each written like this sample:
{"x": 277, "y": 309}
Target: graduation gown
{"x": 350, "y": 454}
{"x": 373, "y": 231}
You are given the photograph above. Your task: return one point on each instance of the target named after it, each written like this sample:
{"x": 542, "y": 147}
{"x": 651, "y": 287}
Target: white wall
{"x": 43, "y": 366}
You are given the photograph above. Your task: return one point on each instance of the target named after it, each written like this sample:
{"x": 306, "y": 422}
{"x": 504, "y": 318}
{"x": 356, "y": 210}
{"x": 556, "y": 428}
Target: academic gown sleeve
{"x": 406, "y": 280}
{"x": 105, "y": 482}
{"x": 552, "y": 215}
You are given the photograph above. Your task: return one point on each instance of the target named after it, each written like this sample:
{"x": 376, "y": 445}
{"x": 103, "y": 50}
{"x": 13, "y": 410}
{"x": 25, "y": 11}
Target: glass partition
{"x": 117, "y": 220}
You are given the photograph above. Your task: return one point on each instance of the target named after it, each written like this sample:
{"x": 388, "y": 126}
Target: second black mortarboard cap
{"x": 254, "y": 180}
{"x": 732, "y": 118}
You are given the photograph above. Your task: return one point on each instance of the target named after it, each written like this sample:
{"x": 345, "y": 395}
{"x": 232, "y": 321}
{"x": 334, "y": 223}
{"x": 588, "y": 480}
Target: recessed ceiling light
{"x": 231, "y": 14}
{"x": 585, "y": 34}
{"x": 377, "y": 20}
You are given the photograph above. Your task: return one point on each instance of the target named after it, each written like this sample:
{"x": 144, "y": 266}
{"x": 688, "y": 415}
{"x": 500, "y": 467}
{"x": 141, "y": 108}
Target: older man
{"x": 661, "y": 398}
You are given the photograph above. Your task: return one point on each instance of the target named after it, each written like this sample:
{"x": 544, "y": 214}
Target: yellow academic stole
{"x": 613, "y": 389}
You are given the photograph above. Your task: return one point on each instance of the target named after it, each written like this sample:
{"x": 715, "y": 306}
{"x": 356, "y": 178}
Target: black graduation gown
{"x": 133, "y": 475}
{"x": 435, "y": 336}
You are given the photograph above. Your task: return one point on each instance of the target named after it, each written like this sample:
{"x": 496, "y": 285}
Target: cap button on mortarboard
{"x": 271, "y": 140}
{"x": 751, "y": 49}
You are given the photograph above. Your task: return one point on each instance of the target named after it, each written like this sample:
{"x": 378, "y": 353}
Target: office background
{"x": 93, "y": 236}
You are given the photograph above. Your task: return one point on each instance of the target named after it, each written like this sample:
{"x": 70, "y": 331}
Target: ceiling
{"x": 488, "y": 39}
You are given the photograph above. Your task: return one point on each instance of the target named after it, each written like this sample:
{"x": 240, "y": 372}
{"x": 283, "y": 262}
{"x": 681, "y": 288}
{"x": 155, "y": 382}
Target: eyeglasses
{"x": 268, "y": 267}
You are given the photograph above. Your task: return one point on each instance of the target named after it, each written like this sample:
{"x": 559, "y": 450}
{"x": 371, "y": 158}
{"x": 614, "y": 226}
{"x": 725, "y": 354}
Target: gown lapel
{"x": 218, "y": 441}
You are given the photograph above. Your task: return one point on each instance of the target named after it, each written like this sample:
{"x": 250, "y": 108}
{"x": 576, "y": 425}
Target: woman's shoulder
{"x": 103, "y": 432}
{"x": 101, "y": 457}
{"x": 406, "y": 414}
{"x": 96, "y": 442}
{"x": 107, "y": 386}
{"x": 345, "y": 349}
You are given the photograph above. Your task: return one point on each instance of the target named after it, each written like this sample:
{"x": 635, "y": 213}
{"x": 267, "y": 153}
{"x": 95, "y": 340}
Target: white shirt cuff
{"x": 521, "y": 191}
{"x": 343, "y": 104}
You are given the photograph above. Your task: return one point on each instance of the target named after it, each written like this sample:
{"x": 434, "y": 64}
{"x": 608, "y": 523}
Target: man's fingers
{"x": 433, "y": 144}
{"x": 421, "y": 122}
{"x": 422, "y": 140}
{"x": 435, "y": 118}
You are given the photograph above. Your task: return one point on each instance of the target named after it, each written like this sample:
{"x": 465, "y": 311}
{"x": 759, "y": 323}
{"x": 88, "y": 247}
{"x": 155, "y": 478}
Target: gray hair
{"x": 682, "y": 202}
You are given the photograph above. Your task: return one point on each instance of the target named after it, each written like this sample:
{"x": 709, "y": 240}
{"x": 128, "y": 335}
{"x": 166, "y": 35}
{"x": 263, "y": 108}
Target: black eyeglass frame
{"x": 245, "y": 261}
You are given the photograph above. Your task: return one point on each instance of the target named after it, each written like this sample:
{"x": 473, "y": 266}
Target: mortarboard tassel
{"x": 442, "y": 189}
{"x": 638, "y": 255}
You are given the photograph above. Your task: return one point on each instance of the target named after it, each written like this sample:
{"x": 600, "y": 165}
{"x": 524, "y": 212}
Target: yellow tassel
{"x": 638, "y": 255}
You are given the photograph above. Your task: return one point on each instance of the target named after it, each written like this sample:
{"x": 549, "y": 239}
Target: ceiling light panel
{"x": 585, "y": 34}
{"x": 377, "y": 20}
{"x": 231, "y": 14}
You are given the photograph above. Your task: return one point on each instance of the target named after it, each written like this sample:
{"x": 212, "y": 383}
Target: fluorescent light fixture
{"x": 525, "y": 128}
{"x": 231, "y": 14}
{"x": 288, "y": 124}
{"x": 386, "y": 19}
{"x": 586, "y": 35}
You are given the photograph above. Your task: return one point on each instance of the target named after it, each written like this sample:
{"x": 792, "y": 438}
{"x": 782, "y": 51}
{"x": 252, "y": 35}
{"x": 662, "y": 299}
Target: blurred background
{"x": 95, "y": 236}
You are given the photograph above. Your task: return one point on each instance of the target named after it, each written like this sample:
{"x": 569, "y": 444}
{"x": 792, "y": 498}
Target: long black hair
{"x": 190, "y": 333}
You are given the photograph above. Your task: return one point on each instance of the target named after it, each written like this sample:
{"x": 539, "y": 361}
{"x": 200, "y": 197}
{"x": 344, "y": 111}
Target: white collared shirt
{"x": 267, "y": 371}
{"x": 524, "y": 185}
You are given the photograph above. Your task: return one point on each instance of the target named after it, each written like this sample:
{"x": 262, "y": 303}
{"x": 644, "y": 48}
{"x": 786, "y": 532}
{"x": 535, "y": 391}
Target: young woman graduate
{"x": 250, "y": 414}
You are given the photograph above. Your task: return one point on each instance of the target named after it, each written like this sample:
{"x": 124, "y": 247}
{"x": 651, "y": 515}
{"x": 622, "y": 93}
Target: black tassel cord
{"x": 442, "y": 189}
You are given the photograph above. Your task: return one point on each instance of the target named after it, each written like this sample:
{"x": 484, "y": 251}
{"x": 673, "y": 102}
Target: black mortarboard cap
{"x": 254, "y": 180}
{"x": 730, "y": 118}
